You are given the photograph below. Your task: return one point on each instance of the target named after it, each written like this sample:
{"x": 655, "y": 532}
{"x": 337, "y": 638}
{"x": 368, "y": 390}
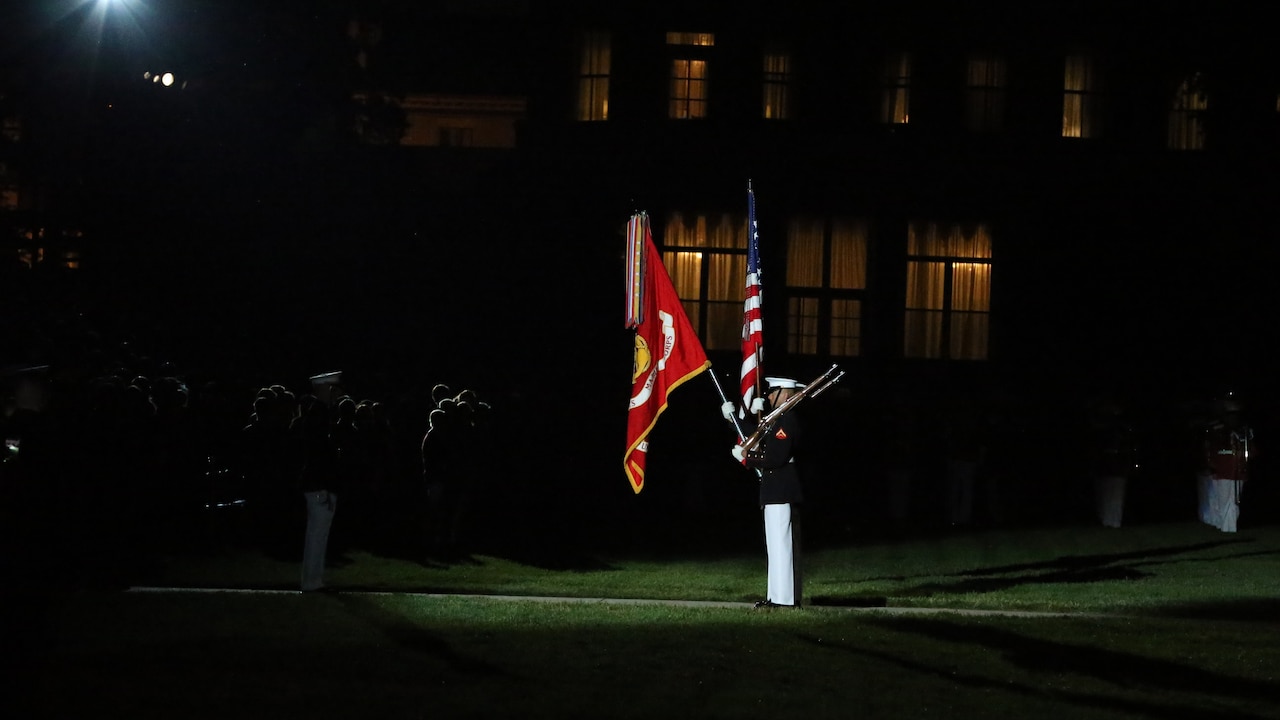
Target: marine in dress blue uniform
{"x": 780, "y": 496}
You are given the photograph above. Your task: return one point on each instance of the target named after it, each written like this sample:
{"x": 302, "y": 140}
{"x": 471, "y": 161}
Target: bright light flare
{"x": 127, "y": 18}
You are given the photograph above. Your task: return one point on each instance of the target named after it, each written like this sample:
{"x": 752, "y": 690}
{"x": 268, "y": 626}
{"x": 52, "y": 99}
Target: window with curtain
{"x": 593, "y": 76}
{"x": 456, "y": 136}
{"x": 985, "y": 90}
{"x": 895, "y": 106}
{"x": 706, "y": 258}
{"x": 777, "y": 86}
{"x": 1081, "y": 98}
{"x": 1187, "y": 114}
{"x": 826, "y": 278}
{"x": 688, "y": 85}
{"x": 948, "y": 291}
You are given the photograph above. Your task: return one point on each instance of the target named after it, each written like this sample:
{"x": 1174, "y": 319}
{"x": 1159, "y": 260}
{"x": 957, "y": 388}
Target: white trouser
{"x": 1109, "y": 494}
{"x": 320, "y": 507}
{"x": 1222, "y": 510}
{"x": 777, "y": 541}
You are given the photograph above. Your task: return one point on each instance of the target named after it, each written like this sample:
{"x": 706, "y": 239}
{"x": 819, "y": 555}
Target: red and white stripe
{"x": 752, "y": 321}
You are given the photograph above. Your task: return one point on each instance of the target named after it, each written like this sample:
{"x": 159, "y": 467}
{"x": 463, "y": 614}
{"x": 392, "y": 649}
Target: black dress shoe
{"x": 770, "y": 605}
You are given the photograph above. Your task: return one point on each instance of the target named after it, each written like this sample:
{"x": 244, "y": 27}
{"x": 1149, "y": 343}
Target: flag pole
{"x": 733, "y": 418}
{"x": 724, "y": 399}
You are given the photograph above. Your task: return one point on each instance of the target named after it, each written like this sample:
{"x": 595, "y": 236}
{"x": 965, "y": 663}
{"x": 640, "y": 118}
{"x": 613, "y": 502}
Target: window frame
{"x": 776, "y": 84}
{"x": 710, "y": 277}
{"x": 689, "y": 75}
{"x": 1188, "y": 112}
{"x": 986, "y": 92}
{"x": 931, "y": 332}
{"x": 1083, "y": 96}
{"x": 895, "y": 88}
{"x": 594, "y": 68}
{"x": 813, "y": 319}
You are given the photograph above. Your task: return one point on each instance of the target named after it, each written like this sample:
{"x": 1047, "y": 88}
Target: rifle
{"x": 813, "y": 389}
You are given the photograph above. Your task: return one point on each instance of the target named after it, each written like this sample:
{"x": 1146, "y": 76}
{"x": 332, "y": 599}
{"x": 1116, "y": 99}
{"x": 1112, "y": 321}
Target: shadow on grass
{"x": 1067, "y": 569}
{"x": 1068, "y": 563}
{"x": 868, "y": 601}
{"x": 1127, "y": 672}
{"x": 552, "y": 557}
{"x": 1249, "y": 611}
{"x": 404, "y": 634}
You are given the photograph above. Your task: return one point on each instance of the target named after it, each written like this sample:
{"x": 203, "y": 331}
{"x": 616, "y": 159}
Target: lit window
{"x": 456, "y": 136}
{"x": 948, "y": 303}
{"x": 593, "y": 77}
{"x": 688, "y": 95}
{"x": 826, "y": 277}
{"x": 688, "y": 38}
{"x": 985, "y": 87}
{"x": 11, "y": 129}
{"x": 802, "y": 325}
{"x": 688, "y": 89}
{"x": 706, "y": 258}
{"x": 1081, "y": 98}
{"x": 777, "y": 86}
{"x": 895, "y": 107}
{"x": 1187, "y": 115}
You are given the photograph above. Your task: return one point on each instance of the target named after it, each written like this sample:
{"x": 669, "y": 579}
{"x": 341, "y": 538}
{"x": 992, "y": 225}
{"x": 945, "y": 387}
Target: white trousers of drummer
{"x": 1220, "y": 505}
{"x": 320, "y": 507}
{"x": 778, "y": 544}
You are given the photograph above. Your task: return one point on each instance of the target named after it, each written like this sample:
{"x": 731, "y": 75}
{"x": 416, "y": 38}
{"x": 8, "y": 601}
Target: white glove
{"x": 757, "y": 406}
{"x": 739, "y": 453}
{"x": 727, "y": 410}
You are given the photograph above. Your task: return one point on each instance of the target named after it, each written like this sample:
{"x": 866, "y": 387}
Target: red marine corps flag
{"x": 667, "y": 351}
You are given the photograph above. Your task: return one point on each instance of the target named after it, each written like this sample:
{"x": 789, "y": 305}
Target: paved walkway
{"x": 636, "y": 601}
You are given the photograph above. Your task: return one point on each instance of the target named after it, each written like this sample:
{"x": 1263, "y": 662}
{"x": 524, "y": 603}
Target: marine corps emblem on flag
{"x": 643, "y": 359}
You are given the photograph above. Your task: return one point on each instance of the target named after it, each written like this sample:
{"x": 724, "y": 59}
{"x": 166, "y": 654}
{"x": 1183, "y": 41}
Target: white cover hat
{"x": 776, "y": 383}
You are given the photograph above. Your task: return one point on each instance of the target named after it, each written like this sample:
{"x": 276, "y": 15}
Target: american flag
{"x": 752, "y": 323}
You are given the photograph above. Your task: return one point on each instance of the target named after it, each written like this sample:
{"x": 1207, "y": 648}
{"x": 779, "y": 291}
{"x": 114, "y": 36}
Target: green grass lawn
{"x": 1162, "y": 621}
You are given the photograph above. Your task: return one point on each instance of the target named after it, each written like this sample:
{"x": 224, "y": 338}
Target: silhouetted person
{"x": 475, "y": 464}
{"x": 965, "y": 442}
{"x": 1227, "y": 448}
{"x": 318, "y": 482}
{"x": 439, "y": 393}
{"x": 347, "y": 471}
{"x": 266, "y": 465}
{"x": 898, "y": 446}
{"x": 1112, "y": 457}
{"x": 440, "y": 453}
{"x": 181, "y": 457}
{"x": 376, "y": 458}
